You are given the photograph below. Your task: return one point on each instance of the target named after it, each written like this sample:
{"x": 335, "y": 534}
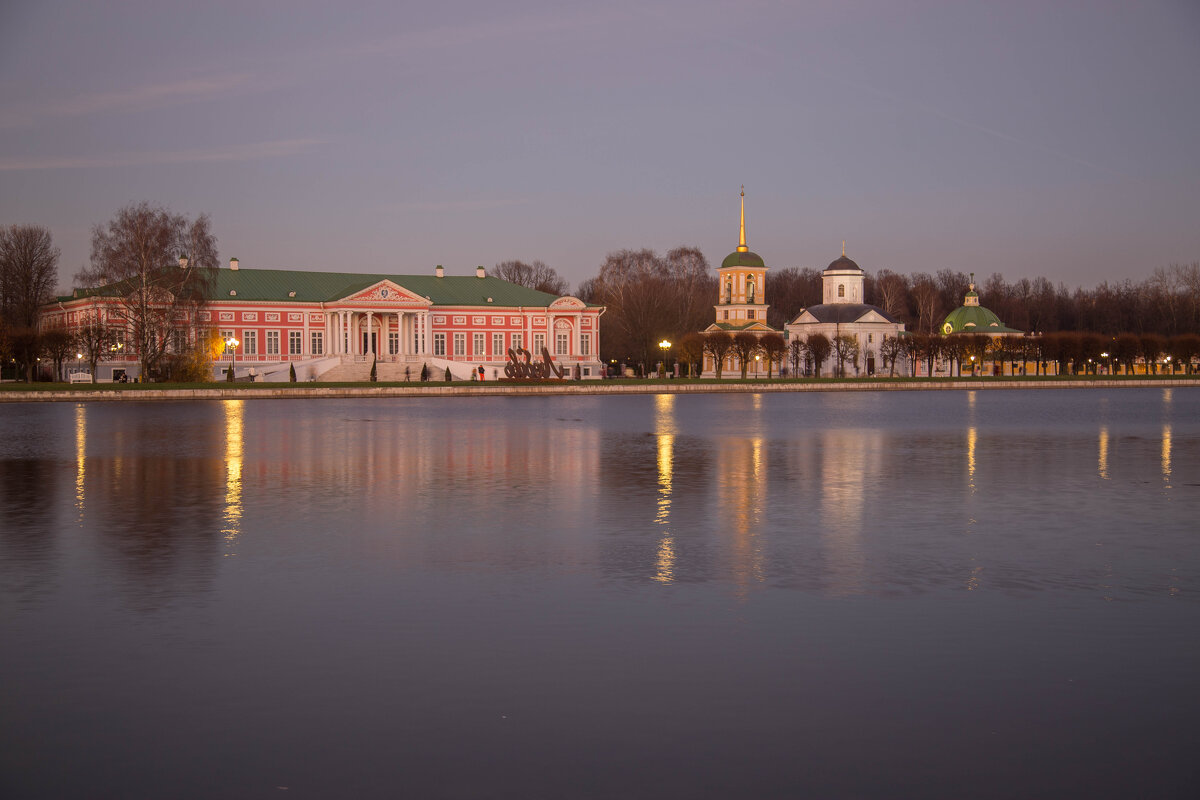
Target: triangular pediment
{"x": 805, "y": 318}
{"x": 871, "y": 316}
{"x": 386, "y": 293}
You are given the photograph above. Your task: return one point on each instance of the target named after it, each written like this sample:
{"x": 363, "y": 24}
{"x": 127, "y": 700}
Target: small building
{"x": 971, "y": 317}
{"x": 842, "y": 312}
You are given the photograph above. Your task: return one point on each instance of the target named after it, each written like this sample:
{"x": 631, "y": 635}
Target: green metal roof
{"x": 974, "y": 319}
{"x": 743, "y": 259}
{"x": 277, "y": 285}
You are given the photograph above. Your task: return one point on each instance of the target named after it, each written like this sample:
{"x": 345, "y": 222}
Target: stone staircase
{"x": 384, "y": 371}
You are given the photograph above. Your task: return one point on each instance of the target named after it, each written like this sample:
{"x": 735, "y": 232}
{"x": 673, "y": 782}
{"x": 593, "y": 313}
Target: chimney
{"x": 438, "y": 271}
{"x": 233, "y": 263}
{"x": 183, "y": 262}
{"x": 479, "y": 273}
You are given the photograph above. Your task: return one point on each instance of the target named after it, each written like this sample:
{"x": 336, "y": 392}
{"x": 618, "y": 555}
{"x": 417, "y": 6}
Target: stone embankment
{"x": 494, "y": 389}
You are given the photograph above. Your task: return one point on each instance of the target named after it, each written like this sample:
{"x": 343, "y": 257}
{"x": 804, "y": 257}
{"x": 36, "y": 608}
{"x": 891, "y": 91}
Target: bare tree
{"x": 95, "y": 338}
{"x": 892, "y": 291}
{"x": 58, "y": 345}
{"x": 28, "y": 274}
{"x": 160, "y": 267}
{"x": 691, "y": 351}
{"x": 796, "y": 356}
{"x": 774, "y": 349}
{"x": 718, "y": 344}
{"x": 649, "y": 298}
{"x": 745, "y": 347}
{"x": 889, "y": 351}
{"x": 536, "y": 275}
{"x": 845, "y": 348}
{"x": 818, "y": 347}
{"x": 925, "y": 296}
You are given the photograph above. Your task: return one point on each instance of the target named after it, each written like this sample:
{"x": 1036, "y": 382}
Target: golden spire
{"x": 742, "y": 233}
{"x": 843, "y": 248}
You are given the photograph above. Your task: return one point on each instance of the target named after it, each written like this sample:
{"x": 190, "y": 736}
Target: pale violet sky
{"x": 1028, "y": 138}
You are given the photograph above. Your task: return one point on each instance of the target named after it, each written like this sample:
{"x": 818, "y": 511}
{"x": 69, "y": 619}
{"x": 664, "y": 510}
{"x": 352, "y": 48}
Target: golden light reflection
{"x": 234, "y": 448}
{"x": 742, "y": 501}
{"x": 849, "y": 459}
{"x": 80, "y": 454}
{"x": 1102, "y": 462}
{"x": 972, "y": 439}
{"x": 664, "y": 408}
{"x": 1166, "y": 454}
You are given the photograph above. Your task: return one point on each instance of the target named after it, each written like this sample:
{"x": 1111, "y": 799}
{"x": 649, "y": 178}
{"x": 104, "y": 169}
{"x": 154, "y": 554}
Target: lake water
{"x": 901, "y": 594}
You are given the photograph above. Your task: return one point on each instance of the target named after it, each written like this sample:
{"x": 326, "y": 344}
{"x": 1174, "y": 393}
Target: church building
{"x": 842, "y": 312}
{"x": 741, "y": 297}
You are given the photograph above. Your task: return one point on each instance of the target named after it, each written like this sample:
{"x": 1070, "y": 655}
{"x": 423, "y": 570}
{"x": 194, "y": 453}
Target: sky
{"x": 1050, "y": 138}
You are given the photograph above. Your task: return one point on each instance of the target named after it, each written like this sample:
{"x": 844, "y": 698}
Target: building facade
{"x": 842, "y": 312}
{"x": 741, "y": 298}
{"x": 333, "y": 325}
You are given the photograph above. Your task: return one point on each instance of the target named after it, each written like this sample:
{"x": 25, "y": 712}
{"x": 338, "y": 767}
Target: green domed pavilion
{"x": 971, "y": 317}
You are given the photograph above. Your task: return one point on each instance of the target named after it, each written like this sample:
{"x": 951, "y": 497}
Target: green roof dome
{"x": 743, "y": 258}
{"x": 974, "y": 319}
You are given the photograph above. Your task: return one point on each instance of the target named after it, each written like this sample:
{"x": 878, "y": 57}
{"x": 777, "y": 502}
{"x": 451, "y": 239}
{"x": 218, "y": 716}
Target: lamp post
{"x": 1107, "y": 363}
{"x": 78, "y": 361}
{"x": 757, "y": 358}
{"x": 665, "y": 346}
{"x": 232, "y": 344}
{"x": 972, "y": 366}
{"x": 1167, "y": 362}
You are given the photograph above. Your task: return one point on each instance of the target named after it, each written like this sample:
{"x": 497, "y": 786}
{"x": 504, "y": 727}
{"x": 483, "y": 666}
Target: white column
{"x": 367, "y": 343}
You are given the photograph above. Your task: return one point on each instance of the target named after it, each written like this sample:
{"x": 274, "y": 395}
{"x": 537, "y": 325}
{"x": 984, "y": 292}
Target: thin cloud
{"x": 243, "y": 152}
{"x": 131, "y": 99}
{"x": 454, "y": 206}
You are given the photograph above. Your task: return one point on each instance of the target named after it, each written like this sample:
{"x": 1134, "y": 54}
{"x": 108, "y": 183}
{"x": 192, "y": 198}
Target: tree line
{"x": 163, "y": 265}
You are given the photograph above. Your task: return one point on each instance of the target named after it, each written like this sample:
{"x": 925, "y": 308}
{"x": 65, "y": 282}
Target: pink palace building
{"x": 331, "y": 326}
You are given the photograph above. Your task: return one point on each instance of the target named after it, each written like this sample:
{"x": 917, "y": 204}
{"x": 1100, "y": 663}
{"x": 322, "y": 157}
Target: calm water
{"x": 934, "y": 594}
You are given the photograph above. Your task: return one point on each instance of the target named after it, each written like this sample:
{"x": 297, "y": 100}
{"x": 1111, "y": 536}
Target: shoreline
{"x": 289, "y": 391}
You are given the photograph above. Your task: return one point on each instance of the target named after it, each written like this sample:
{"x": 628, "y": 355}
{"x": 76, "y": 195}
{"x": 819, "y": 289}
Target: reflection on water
{"x": 664, "y": 406}
{"x": 234, "y": 448}
{"x": 80, "y": 455}
{"x": 1102, "y": 461}
{"x": 492, "y": 587}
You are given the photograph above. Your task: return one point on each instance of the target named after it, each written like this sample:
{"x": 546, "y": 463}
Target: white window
{"x": 393, "y": 342}
{"x": 250, "y": 343}
{"x": 497, "y": 344}
{"x": 585, "y": 344}
{"x": 479, "y": 343}
{"x": 179, "y": 341}
{"x": 562, "y": 344}
{"x": 460, "y": 344}
{"x": 587, "y": 372}
{"x": 439, "y": 344}
{"x": 870, "y": 338}
{"x": 225, "y": 337}
{"x": 295, "y": 342}
{"x": 272, "y": 343}
{"x": 539, "y": 343}
{"x": 318, "y": 343}
{"x": 518, "y": 340}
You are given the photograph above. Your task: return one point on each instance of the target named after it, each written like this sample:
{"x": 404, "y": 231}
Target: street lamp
{"x": 757, "y": 358}
{"x": 972, "y": 366}
{"x": 1167, "y": 361}
{"x": 231, "y": 343}
{"x": 1107, "y": 363}
{"x": 665, "y": 346}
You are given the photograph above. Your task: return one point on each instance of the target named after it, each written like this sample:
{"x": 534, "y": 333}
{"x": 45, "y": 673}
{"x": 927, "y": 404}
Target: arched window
{"x": 728, "y": 290}
{"x": 841, "y": 290}
{"x": 750, "y": 291}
